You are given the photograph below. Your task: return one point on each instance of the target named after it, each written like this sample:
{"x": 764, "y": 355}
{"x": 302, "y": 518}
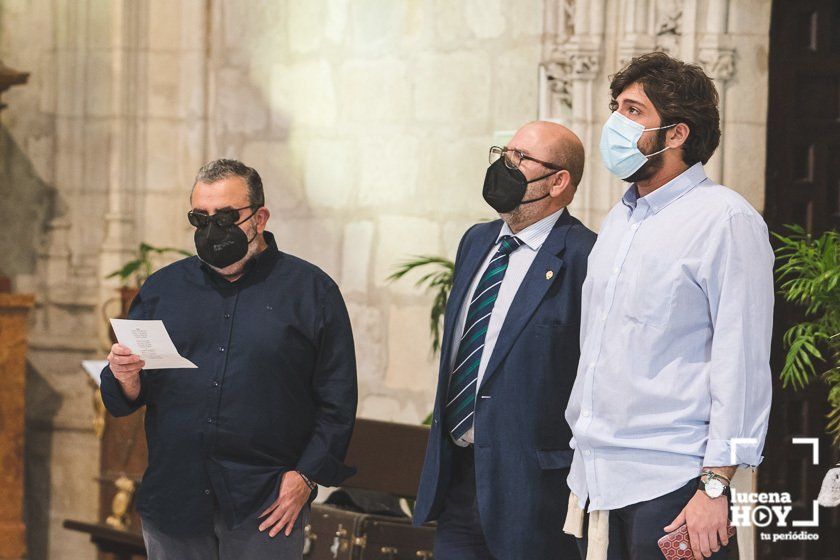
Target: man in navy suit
{"x": 495, "y": 472}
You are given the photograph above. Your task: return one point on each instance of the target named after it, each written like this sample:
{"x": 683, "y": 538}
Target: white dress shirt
{"x": 674, "y": 372}
{"x": 520, "y": 260}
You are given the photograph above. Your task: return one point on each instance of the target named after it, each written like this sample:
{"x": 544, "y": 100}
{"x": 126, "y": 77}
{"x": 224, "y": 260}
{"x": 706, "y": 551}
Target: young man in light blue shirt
{"x": 673, "y": 388}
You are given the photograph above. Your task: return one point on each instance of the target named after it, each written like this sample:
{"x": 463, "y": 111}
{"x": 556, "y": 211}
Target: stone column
{"x": 585, "y": 61}
{"x": 718, "y": 60}
{"x": 637, "y": 37}
{"x": 129, "y": 21}
{"x": 575, "y": 62}
{"x": 555, "y": 97}
{"x": 62, "y": 451}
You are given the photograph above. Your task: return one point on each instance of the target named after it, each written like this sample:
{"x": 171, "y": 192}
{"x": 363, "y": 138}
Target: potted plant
{"x": 809, "y": 276}
{"x": 140, "y": 268}
{"x": 439, "y": 280}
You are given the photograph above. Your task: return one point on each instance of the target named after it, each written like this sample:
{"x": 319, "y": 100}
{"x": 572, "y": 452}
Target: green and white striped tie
{"x": 460, "y": 397}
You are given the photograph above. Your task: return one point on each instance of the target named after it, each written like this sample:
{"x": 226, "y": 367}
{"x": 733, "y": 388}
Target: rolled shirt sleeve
{"x": 739, "y": 283}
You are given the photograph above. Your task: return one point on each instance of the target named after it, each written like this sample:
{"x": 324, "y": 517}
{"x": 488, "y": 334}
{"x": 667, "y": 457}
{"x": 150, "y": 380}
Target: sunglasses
{"x": 222, "y": 218}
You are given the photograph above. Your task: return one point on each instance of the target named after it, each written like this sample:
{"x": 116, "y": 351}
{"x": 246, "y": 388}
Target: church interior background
{"x": 369, "y": 121}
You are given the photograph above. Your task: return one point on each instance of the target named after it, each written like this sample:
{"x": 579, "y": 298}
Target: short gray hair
{"x": 220, "y": 169}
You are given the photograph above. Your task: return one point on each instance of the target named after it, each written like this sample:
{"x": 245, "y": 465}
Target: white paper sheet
{"x": 150, "y": 341}
{"x": 94, "y": 368}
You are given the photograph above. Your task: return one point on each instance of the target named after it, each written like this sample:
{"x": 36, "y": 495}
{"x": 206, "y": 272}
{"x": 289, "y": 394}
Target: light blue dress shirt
{"x": 532, "y": 238}
{"x": 674, "y": 372}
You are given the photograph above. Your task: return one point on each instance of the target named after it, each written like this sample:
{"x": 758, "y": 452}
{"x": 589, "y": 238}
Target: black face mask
{"x": 504, "y": 188}
{"x": 222, "y": 246}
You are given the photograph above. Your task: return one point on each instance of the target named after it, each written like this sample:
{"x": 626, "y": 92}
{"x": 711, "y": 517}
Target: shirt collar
{"x": 534, "y": 235}
{"x": 270, "y": 249}
{"x": 667, "y": 193}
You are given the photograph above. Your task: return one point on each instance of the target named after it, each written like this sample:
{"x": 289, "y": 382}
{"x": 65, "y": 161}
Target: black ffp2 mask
{"x": 504, "y": 188}
{"x": 221, "y": 246}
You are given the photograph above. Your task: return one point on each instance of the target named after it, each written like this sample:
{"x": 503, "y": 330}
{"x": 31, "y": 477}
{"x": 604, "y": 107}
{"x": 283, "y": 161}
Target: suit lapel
{"x": 544, "y": 271}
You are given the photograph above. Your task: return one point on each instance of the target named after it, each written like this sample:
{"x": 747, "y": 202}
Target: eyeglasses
{"x": 514, "y": 157}
{"x": 222, "y": 218}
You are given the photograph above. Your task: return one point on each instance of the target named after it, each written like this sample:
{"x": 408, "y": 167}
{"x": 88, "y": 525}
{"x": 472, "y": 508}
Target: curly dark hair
{"x": 680, "y": 92}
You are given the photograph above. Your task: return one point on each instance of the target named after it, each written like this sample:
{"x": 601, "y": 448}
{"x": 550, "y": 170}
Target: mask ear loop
{"x": 543, "y": 177}
{"x": 546, "y": 195}
{"x": 248, "y": 218}
{"x": 659, "y": 152}
{"x": 251, "y": 215}
{"x": 658, "y": 128}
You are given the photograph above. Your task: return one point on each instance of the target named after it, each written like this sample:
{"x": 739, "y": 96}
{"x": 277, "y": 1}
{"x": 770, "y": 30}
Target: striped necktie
{"x": 460, "y": 397}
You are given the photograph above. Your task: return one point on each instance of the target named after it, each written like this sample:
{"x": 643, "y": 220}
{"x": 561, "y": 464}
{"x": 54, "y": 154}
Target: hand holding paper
{"x": 150, "y": 341}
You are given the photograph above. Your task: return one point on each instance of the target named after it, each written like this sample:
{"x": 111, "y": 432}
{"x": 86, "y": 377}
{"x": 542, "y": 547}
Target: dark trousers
{"x": 635, "y": 529}
{"x": 459, "y": 535}
{"x": 245, "y": 542}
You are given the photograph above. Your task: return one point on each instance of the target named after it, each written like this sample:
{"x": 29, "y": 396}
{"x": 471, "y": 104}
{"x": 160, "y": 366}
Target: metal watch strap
{"x": 713, "y": 474}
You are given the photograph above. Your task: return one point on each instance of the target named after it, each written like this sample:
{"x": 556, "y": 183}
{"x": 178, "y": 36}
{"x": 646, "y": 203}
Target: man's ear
{"x": 561, "y": 184}
{"x": 677, "y": 136}
{"x": 262, "y": 217}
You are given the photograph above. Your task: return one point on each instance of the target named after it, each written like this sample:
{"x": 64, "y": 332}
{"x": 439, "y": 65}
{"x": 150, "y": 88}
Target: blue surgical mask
{"x": 620, "y": 145}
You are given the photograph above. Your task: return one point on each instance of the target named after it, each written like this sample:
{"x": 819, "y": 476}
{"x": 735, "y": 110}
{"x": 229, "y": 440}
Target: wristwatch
{"x": 714, "y": 487}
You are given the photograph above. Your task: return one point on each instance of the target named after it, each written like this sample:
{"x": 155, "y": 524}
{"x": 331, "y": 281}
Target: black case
{"x": 340, "y": 534}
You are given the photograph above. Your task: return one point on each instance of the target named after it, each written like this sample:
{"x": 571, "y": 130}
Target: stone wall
{"x": 369, "y": 121}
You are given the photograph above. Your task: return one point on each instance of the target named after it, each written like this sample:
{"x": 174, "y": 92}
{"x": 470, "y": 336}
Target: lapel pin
{"x": 549, "y": 275}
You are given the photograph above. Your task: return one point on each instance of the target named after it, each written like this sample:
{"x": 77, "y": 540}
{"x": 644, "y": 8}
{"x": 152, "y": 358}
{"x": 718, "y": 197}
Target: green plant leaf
{"x": 141, "y": 266}
{"x": 808, "y": 275}
{"x": 127, "y": 270}
{"x": 438, "y": 280}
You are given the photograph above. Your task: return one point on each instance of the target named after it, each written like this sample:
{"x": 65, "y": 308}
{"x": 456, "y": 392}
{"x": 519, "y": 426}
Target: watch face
{"x": 714, "y": 488}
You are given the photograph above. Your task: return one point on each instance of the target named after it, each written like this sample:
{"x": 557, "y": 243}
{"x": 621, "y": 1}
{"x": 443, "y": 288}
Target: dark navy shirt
{"x": 275, "y": 389}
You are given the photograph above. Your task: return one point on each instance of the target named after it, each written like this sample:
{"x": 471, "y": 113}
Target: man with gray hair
{"x": 238, "y": 446}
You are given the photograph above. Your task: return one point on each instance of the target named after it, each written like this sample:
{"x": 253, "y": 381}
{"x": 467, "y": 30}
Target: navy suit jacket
{"x": 522, "y": 452}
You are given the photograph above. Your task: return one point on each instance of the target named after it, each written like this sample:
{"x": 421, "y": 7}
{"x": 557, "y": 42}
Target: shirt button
{"x": 207, "y": 491}
{"x": 591, "y": 365}
{"x": 221, "y": 348}
{"x": 587, "y": 453}
{"x": 227, "y": 315}
{"x": 585, "y": 413}
{"x": 635, "y": 227}
{"x": 209, "y": 420}
{"x": 215, "y": 384}
{"x": 615, "y": 270}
